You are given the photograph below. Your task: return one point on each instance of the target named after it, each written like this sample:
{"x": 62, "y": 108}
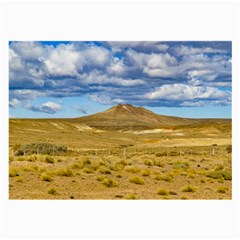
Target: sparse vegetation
{"x": 162, "y": 192}
{"x": 46, "y": 177}
{"x": 222, "y": 189}
{"x": 49, "y": 159}
{"x": 108, "y": 182}
{"x": 13, "y": 172}
{"x": 188, "y": 188}
{"x": 88, "y": 170}
{"x": 64, "y": 172}
{"x": 41, "y": 148}
{"x": 104, "y": 170}
{"x": 145, "y": 172}
{"x": 131, "y": 196}
{"x": 225, "y": 174}
{"x": 136, "y": 180}
{"x": 148, "y": 162}
{"x": 52, "y": 191}
{"x": 132, "y": 169}
{"x": 127, "y": 163}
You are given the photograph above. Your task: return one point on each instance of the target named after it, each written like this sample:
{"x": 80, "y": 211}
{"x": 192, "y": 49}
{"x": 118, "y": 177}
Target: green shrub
{"x": 108, "y": 182}
{"x": 158, "y": 163}
{"x": 145, "y": 172}
{"x": 172, "y": 193}
{"x": 181, "y": 165}
{"x": 162, "y": 192}
{"x": 221, "y": 180}
{"x": 229, "y": 149}
{"x": 218, "y": 167}
{"x": 104, "y": 170}
{"x": 222, "y": 189}
{"x": 165, "y": 177}
{"x": 76, "y": 166}
{"x": 19, "y": 179}
{"x": 13, "y": 172}
{"x": 132, "y": 169}
{"x": 131, "y": 196}
{"x": 41, "y": 148}
{"x": 188, "y": 188}
{"x": 148, "y": 162}
{"x": 161, "y": 154}
{"x": 49, "y": 159}
{"x": 64, "y": 172}
{"x": 88, "y": 170}
{"x": 52, "y": 191}
{"x": 100, "y": 178}
{"x": 225, "y": 174}
{"x": 46, "y": 177}
{"x": 136, "y": 180}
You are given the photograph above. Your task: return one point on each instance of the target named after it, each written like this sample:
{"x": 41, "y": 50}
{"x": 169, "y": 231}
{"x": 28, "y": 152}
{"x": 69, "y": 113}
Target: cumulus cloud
{"x": 182, "y": 92}
{"x": 14, "y": 103}
{"x": 48, "y": 107}
{"x": 141, "y": 73}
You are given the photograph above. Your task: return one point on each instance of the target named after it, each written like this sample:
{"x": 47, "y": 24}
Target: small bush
{"x": 161, "y": 154}
{"x": 165, "y": 177}
{"x": 225, "y": 174}
{"x": 102, "y": 163}
{"x": 119, "y": 176}
{"x": 181, "y": 165}
{"x": 86, "y": 162}
{"x": 218, "y": 167}
{"x": 19, "y": 179}
{"x": 64, "y": 172}
{"x": 131, "y": 196}
{"x": 49, "y": 159}
{"x": 100, "y": 178}
{"x": 104, "y": 170}
{"x": 88, "y": 170}
{"x": 162, "y": 192}
{"x": 172, "y": 193}
{"x": 145, "y": 172}
{"x": 136, "y": 180}
{"x": 52, "y": 191}
{"x": 221, "y": 180}
{"x": 13, "y": 172}
{"x": 158, "y": 163}
{"x": 222, "y": 189}
{"x": 40, "y": 148}
{"x": 132, "y": 169}
{"x": 76, "y": 166}
{"x": 229, "y": 149}
{"x": 148, "y": 162}
{"x": 108, "y": 182}
{"x": 46, "y": 177}
{"x": 202, "y": 181}
{"x": 188, "y": 188}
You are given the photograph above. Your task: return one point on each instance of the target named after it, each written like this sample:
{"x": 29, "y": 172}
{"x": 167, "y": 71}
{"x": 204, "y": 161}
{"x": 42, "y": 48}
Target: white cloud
{"x": 185, "y": 50}
{"x": 48, "y": 107}
{"x": 183, "y": 92}
{"x": 14, "y": 103}
{"x": 26, "y": 94}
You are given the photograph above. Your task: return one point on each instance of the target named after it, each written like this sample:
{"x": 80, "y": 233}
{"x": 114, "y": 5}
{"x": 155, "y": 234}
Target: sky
{"x": 75, "y": 78}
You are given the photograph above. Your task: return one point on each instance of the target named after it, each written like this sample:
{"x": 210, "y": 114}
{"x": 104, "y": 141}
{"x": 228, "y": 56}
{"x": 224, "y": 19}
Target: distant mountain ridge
{"x": 126, "y": 116}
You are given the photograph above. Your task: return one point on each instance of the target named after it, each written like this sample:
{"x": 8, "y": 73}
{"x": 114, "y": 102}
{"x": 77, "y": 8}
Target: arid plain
{"x": 125, "y": 152}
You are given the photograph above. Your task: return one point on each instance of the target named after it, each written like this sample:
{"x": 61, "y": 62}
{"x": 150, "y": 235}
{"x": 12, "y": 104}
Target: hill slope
{"x": 126, "y": 116}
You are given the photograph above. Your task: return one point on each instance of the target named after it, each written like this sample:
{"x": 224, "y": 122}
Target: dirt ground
{"x": 161, "y": 164}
